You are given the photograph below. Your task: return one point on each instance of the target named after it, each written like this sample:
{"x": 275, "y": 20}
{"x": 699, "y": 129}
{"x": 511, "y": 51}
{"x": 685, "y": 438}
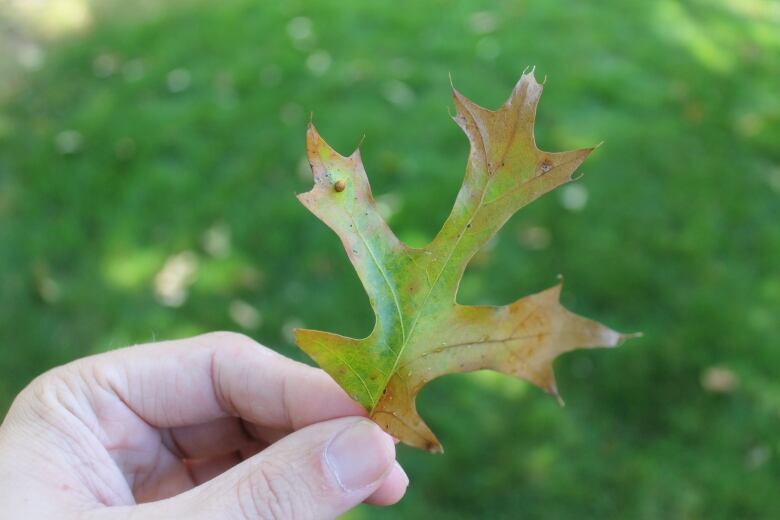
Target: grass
{"x": 181, "y": 130}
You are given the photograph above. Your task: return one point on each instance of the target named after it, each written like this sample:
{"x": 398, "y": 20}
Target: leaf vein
{"x": 469, "y": 343}
{"x": 387, "y": 282}
{"x": 350, "y": 367}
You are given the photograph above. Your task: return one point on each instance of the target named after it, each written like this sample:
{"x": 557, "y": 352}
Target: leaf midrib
{"x": 474, "y": 213}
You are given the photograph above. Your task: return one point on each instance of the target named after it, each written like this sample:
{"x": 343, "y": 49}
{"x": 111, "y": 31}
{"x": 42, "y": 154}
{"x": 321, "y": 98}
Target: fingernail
{"x": 360, "y": 455}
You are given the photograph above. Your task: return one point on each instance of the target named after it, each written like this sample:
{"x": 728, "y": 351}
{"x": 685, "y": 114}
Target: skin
{"x": 214, "y": 426}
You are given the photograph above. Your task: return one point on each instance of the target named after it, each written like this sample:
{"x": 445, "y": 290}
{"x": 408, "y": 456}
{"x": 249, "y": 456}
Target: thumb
{"x": 317, "y": 472}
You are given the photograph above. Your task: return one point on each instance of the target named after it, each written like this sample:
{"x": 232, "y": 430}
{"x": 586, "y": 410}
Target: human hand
{"x": 214, "y": 426}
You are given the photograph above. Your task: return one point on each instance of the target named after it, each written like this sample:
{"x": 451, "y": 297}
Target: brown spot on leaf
{"x": 545, "y": 166}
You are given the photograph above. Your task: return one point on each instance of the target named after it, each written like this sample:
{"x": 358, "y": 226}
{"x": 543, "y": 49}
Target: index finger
{"x": 195, "y": 380}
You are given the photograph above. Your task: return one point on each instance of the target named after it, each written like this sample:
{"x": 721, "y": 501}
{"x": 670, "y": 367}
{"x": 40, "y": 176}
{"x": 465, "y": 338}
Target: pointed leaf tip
{"x": 628, "y": 336}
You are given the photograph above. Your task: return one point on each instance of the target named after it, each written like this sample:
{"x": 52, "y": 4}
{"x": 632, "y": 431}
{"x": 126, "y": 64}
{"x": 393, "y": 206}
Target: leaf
{"x": 420, "y": 332}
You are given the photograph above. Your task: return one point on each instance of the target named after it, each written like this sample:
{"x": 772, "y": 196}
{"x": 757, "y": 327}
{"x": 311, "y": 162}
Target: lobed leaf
{"x": 420, "y": 331}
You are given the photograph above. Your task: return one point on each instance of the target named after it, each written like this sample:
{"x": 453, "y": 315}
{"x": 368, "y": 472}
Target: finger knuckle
{"x": 269, "y": 494}
{"x": 46, "y": 400}
{"x": 48, "y": 389}
{"x": 230, "y": 340}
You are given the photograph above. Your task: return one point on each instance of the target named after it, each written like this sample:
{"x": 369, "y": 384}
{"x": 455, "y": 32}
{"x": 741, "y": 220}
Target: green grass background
{"x": 110, "y": 164}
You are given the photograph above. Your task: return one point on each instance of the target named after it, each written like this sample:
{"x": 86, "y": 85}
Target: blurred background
{"x": 150, "y": 151}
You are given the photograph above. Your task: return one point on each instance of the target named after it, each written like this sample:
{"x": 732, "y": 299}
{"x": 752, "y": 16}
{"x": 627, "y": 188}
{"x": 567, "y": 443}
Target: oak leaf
{"x": 421, "y": 332}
